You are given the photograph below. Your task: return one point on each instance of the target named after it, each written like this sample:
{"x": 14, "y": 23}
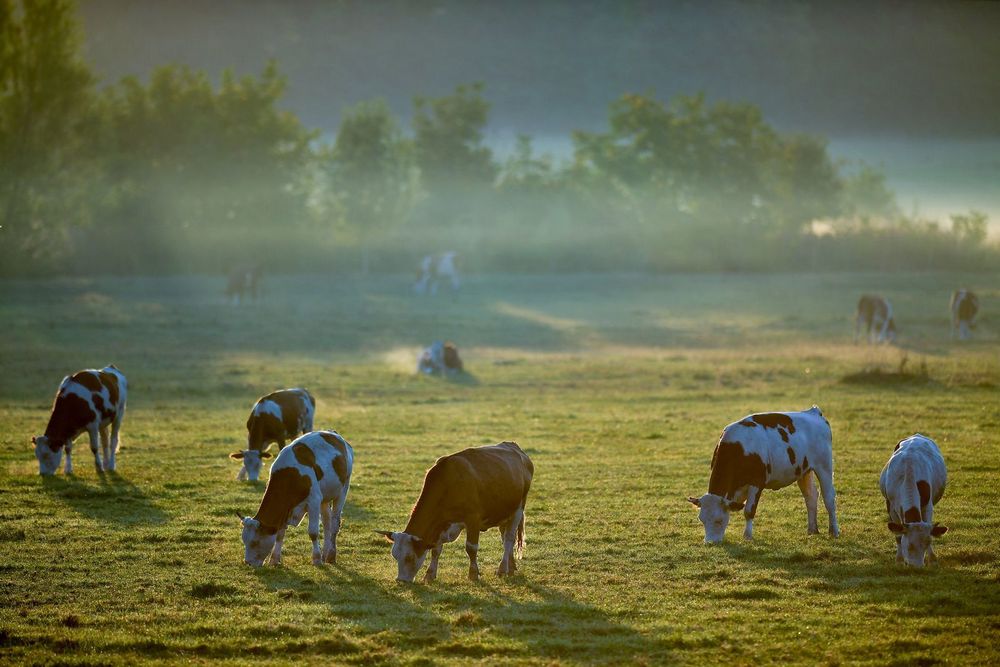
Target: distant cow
{"x": 310, "y": 476}
{"x": 964, "y": 306}
{"x": 875, "y": 313}
{"x": 91, "y": 401}
{"x": 275, "y": 418}
{"x": 474, "y": 489}
{"x": 435, "y": 269}
{"x": 913, "y": 482}
{"x": 440, "y": 359}
{"x": 768, "y": 451}
{"x": 244, "y": 281}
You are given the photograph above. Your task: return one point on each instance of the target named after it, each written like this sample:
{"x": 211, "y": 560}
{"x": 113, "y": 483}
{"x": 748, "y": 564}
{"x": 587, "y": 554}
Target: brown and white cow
{"x": 89, "y": 400}
{"x": 275, "y": 418}
{"x": 243, "y": 282}
{"x": 435, "y": 270}
{"x": 964, "y": 306}
{"x": 474, "y": 489}
{"x": 441, "y": 358}
{"x": 311, "y": 476}
{"x": 768, "y": 451}
{"x": 875, "y": 314}
{"x": 913, "y": 482}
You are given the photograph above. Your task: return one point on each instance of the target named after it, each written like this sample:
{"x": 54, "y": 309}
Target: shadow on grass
{"x": 856, "y": 571}
{"x": 113, "y": 499}
{"x": 511, "y": 618}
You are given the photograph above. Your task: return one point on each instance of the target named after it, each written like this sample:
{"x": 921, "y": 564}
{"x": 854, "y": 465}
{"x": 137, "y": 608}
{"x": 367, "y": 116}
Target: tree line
{"x": 180, "y": 173}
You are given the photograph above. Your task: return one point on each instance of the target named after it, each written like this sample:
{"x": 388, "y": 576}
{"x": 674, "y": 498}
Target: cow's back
{"x": 494, "y": 479}
{"x": 916, "y": 460}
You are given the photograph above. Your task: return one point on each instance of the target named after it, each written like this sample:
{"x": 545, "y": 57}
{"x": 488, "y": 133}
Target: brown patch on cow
{"x": 286, "y": 488}
{"x": 897, "y": 445}
{"x": 99, "y": 404}
{"x": 110, "y": 381}
{"x": 748, "y": 423}
{"x": 798, "y": 471}
{"x": 70, "y": 415}
{"x": 783, "y": 433}
{"x": 305, "y": 457}
{"x": 925, "y": 492}
{"x": 912, "y": 515}
{"x": 732, "y": 469}
{"x": 264, "y": 429}
{"x": 340, "y": 460}
{"x": 775, "y": 420}
{"x": 451, "y": 358}
{"x": 88, "y": 380}
{"x": 791, "y": 455}
{"x": 768, "y": 468}
{"x": 805, "y": 463}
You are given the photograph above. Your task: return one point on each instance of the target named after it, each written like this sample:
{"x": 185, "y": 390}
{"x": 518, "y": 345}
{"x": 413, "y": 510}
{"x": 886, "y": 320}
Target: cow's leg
{"x": 899, "y": 549}
{"x": 857, "y": 327}
{"x": 508, "y": 534}
{"x": 279, "y": 540}
{"x": 116, "y": 427}
{"x": 314, "y": 518}
{"x": 807, "y": 486}
{"x": 242, "y": 474}
{"x": 68, "y": 470}
{"x": 750, "y": 510}
{"x": 105, "y": 446}
{"x": 432, "y": 569}
{"x": 326, "y": 513}
{"x": 93, "y": 433}
{"x": 883, "y": 330}
{"x": 825, "y": 478}
{"x": 472, "y": 548}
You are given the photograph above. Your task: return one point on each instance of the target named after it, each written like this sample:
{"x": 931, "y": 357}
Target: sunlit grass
{"x": 620, "y": 415}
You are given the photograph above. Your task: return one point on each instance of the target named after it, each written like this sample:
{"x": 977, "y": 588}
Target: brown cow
{"x": 474, "y": 489}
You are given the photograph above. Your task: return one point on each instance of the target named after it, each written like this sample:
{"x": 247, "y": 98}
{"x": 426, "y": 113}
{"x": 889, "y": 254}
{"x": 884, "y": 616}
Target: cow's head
{"x": 915, "y": 539}
{"x": 409, "y": 552}
{"x": 48, "y": 453}
{"x": 257, "y": 541}
{"x": 714, "y": 514}
{"x": 252, "y": 460}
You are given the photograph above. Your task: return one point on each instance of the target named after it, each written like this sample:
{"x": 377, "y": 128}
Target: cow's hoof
{"x": 473, "y": 575}
{"x": 429, "y": 577}
{"x": 330, "y": 558}
{"x": 812, "y": 531}
{"x": 317, "y": 560}
{"x": 835, "y": 534}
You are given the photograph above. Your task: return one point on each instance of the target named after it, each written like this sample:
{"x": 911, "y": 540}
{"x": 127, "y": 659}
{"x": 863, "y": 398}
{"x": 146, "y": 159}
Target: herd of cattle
{"x": 485, "y": 487}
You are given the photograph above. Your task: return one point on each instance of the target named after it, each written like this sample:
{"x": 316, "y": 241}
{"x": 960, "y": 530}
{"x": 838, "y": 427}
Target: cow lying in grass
{"x": 768, "y": 451}
{"x": 964, "y": 306}
{"x": 91, "y": 401}
{"x": 874, "y": 313}
{"x": 311, "y": 476}
{"x": 913, "y": 482}
{"x": 275, "y": 418}
{"x": 440, "y": 359}
{"x": 474, "y": 489}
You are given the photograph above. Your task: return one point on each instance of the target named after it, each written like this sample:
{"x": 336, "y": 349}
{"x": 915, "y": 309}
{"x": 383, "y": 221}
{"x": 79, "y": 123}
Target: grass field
{"x": 616, "y": 386}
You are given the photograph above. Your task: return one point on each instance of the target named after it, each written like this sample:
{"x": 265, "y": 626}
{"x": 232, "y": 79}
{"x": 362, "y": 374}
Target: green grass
{"x": 618, "y": 388}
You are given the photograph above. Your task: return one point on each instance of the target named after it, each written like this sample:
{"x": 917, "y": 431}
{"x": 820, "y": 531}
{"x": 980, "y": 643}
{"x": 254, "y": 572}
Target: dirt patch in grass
{"x": 211, "y": 590}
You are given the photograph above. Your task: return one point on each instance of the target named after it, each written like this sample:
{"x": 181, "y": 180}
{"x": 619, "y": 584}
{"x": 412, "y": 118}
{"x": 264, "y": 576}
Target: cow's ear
{"x": 897, "y": 528}
{"x": 694, "y": 501}
{"x": 938, "y": 531}
{"x": 236, "y": 456}
{"x": 266, "y": 454}
{"x": 735, "y": 506}
{"x": 34, "y": 440}
{"x": 387, "y": 534}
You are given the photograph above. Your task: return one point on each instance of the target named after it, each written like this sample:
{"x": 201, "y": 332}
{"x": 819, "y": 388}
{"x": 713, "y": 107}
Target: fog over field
{"x": 911, "y": 87}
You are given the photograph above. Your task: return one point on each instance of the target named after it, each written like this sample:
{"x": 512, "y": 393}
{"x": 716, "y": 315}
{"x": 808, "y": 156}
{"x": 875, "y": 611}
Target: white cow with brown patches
{"x": 768, "y": 450}
{"x": 471, "y": 490}
{"x": 311, "y": 476}
{"x": 90, "y": 401}
{"x": 874, "y": 313}
{"x": 964, "y": 306}
{"x": 913, "y": 482}
{"x": 275, "y": 418}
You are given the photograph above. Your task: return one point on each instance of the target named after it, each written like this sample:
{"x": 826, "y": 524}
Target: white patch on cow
{"x": 266, "y": 407}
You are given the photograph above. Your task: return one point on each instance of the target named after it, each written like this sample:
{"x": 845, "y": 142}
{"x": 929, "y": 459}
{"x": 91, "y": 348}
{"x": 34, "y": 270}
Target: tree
{"x": 970, "y": 228}
{"x": 866, "y": 196}
{"x": 371, "y": 172}
{"x": 45, "y": 101}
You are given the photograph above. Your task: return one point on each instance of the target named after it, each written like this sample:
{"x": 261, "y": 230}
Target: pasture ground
{"x": 617, "y": 386}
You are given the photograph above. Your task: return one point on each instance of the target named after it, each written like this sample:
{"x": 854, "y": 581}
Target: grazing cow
{"x": 964, "y": 305}
{"x": 913, "y": 482}
{"x": 312, "y": 475}
{"x": 243, "y": 281}
{"x": 440, "y": 359}
{"x": 90, "y": 400}
{"x": 433, "y": 270}
{"x": 768, "y": 451}
{"x": 277, "y": 417}
{"x": 474, "y": 489}
{"x": 875, "y": 313}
